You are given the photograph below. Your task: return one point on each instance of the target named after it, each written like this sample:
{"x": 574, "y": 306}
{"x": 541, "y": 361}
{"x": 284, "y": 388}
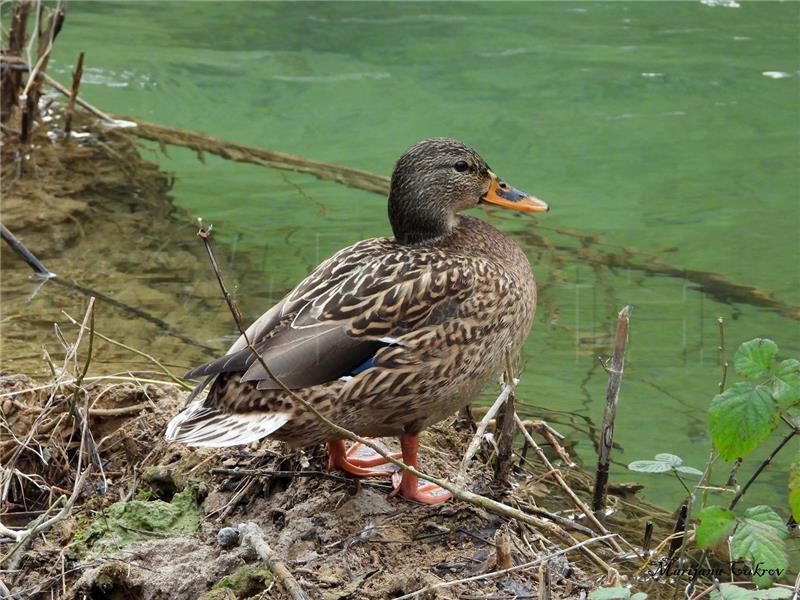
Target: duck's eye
{"x": 461, "y": 166}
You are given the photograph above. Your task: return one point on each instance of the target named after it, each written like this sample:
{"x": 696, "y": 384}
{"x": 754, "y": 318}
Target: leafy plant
{"x": 616, "y": 593}
{"x": 663, "y": 463}
{"x": 741, "y": 418}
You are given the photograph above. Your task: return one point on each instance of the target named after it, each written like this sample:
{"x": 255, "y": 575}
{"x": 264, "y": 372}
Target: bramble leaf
{"x": 794, "y": 488}
{"x": 610, "y": 593}
{"x": 729, "y": 591}
{"x": 759, "y": 539}
{"x": 786, "y": 382}
{"x": 716, "y": 524}
{"x": 741, "y": 418}
{"x": 754, "y": 359}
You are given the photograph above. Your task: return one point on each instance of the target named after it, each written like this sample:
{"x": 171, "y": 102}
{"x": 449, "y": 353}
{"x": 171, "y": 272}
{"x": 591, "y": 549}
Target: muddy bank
{"x": 151, "y": 523}
{"x": 100, "y": 216}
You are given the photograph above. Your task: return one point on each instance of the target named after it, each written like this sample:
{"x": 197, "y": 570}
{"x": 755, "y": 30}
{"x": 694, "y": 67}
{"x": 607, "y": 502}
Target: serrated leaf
{"x": 759, "y": 539}
{"x": 671, "y": 459}
{"x": 613, "y": 593}
{"x": 689, "y": 471}
{"x": 716, "y": 524}
{"x": 794, "y": 488}
{"x": 649, "y": 466}
{"x": 741, "y": 418}
{"x": 754, "y": 359}
{"x": 786, "y": 382}
{"x": 729, "y": 591}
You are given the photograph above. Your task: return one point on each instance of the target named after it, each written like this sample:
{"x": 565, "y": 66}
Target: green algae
{"x": 125, "y": 522}
{"x": 244, "y": 582}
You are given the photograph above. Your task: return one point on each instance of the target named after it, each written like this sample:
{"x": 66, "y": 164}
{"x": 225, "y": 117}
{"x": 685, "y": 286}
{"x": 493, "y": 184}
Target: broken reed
{"x": 612, "y": 397}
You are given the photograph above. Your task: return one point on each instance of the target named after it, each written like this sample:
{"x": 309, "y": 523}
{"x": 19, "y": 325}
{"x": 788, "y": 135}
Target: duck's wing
{"x": 331, "y": 325}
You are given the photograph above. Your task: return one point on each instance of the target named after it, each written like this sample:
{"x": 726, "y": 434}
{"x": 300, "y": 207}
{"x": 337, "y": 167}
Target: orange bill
{"x": 502, "y": 194}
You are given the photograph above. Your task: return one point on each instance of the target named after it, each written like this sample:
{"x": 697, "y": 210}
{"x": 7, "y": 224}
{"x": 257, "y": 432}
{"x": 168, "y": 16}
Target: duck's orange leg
{"x": 347, "y": 461}
{"x": 407, "y": 485}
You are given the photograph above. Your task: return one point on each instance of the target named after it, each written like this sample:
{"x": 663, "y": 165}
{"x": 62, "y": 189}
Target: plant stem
{"x": 761, "y": 467}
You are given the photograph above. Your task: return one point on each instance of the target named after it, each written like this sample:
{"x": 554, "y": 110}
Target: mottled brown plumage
{"x": 390, "y": 335}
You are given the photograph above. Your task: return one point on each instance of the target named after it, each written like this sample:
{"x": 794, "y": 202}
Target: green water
{"x": 651, "y": 126}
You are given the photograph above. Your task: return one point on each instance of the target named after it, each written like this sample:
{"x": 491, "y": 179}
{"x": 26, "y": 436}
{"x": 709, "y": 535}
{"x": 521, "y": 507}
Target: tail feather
{"x": 205, "y": 427}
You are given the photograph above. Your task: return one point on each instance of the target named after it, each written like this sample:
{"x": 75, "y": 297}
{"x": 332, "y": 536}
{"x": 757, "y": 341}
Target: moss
{"x": 125, "y": 522}
{"x": 245, "y": 581}
{"x": 111, "y": 581}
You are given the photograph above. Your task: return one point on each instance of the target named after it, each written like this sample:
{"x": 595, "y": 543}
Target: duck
{"x": 387, "y": 336}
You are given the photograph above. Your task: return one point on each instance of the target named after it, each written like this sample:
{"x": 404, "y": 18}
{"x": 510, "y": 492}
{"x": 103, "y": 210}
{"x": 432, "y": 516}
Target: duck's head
{"x": 437, "y": 178}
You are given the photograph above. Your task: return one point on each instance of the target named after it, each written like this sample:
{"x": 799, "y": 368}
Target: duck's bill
{"x": 502, "y": 194}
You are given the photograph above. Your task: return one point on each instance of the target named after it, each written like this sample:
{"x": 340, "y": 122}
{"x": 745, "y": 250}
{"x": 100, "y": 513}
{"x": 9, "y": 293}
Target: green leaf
{"x": 741, "y": 418}
{"x": 612, "y": 593}
{"x": 649, "y": 466}
{"x": 728, "y": 591}
{"x": 671, "y": 459}
{"x": 716, "y": 524}
{"x": 794, "y": 488}
{"x": 759, "y": 539}
{"x": 664, "y": 462}
{"x": 753, "y": 359}
{"x": 689, "y": 471}
{"x": 786, "y": 382}
{"x": 639, "y": 596}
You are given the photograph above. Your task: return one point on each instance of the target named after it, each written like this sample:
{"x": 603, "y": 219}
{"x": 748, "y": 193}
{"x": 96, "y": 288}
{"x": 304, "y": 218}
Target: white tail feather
{"x": 204, "y": 427}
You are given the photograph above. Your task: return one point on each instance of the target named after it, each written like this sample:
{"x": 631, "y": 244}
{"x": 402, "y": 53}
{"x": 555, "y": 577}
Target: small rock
{"x": 228, "y": 537}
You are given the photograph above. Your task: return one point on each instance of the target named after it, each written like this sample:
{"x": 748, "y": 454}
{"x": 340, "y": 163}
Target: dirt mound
{"x": 153, "y": 523}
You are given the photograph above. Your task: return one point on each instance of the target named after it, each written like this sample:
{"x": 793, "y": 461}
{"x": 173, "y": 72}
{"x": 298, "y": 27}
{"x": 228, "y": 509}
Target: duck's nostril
{"x": 502, "y": 185}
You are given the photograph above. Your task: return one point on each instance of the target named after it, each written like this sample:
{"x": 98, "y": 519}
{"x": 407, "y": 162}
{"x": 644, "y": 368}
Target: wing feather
{"x": 334, "y": 320}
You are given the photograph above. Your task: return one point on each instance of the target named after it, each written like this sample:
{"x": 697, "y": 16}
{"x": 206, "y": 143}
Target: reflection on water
{"x": 659, "y": 133}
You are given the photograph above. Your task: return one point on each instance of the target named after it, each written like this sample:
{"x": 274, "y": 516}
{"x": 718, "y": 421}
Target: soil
{"x": 155, "y": 531}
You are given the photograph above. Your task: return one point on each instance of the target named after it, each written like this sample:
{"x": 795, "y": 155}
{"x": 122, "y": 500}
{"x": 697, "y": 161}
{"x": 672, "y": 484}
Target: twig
{"x": 252, "y": 535}
{"x": 507, "y": 429}
{"x": 579, "y": 504}
{"x": 26, "y": 254}
{"x": 487, "y": 503}
{"x": 239, "y": 473}
{"x": 508, "y": 388}
{"x": 42, "y": 271}
{"x": 149, "y": 357}
{"x": 492, "y": 575}
{"x": 612, "y": 397}
{"x": 761, "y": 467}
{"x": 76, "y": 84}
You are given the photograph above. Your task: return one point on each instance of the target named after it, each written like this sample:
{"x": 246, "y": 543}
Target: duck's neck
{"x": 419, "y": 221}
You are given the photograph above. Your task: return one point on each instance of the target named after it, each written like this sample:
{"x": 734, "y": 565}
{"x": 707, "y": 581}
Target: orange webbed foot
{"x": 407, "y": 485}
{"x": 356, "y": 459}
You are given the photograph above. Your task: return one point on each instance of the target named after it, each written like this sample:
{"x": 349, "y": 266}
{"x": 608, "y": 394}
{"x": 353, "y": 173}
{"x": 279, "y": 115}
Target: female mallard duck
{"x": 388, "y": 336}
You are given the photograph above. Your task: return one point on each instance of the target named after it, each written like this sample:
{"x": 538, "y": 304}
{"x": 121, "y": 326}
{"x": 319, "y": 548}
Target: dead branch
{"x": 508, "y": 388}
{"x": 612, "y": 397}
{"x": 579, "y": 504}
{"x": 252, "y": 535}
